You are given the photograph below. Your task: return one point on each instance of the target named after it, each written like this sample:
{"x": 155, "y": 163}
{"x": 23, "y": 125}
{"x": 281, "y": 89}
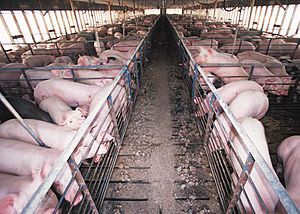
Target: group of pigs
{"x": 248, "y": 102}
{"x": 24, "y": 164}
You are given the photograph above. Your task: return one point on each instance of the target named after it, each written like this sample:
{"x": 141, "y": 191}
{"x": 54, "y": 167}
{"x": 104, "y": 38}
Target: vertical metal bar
{"x": 293, "y": 16}
{"x": 6, "y": 28}
{"x": 28, "y": 25}
{"x": 247, "y": 168}
{"x": 283, "y": 18}
{"x": 79, "y": 179}
{"x": 17, "y": 24}
{"x": 251, "y": 10}
{"x": 297, "y": 46}
{"x": 195, "y": 78}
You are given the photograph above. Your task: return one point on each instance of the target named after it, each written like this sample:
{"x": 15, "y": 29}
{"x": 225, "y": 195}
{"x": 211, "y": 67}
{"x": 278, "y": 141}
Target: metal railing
{"x": 234, "y": 159}
{"x": 92, "y": 168}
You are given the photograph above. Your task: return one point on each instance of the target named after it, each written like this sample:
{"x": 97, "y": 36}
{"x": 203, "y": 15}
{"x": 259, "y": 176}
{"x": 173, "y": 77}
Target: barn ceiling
{"x": 138, "y": 4}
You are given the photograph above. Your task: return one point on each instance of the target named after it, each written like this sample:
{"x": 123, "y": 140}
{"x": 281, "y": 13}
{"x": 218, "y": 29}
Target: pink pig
{"x": 73, "y": 93}
{"x": 62, "y": 114}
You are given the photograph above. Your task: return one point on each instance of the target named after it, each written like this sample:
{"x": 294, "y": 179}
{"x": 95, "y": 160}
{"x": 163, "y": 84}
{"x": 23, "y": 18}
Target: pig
{"x": 99, "y": 78}
{"x": 74, "y": 49}
{"x": 12, "y": 74}
{"x": 28, "y": 159}
{"x": 239, "y": 47}
{"x": 89, "y": 61}
{"x": 73, "y": 93}
{"x": 102, "y": 31}
{"x": 277, "y": 48}
{"x": 38, "y": 60}
{"x": 288, "y": 153}
{"x": 118, "y": 35}
{"x": 226, "y": 74}
{"x": 250, "y": 103}
{"x": 2, "y": 64}
{"x": 229, "y": 91}
{"x": 277, "y": 67}
{"x": 255, "y": 131}
{"x": 63, "y": 59}
{"x": 35, "y": 77}
{"x": 26, "y": 110}
{"x": 81, "y": 39}
{"x": 54, "y": 136}
{"x": 62, "y": 114}
{"x": 270, "y": 82}
{"x": 142, "y": 32}
{"x": 48, "y": 204}
{"x": 15, "y": 191}
{"x": 112, "y": 30}
{"x": 126, "y": 45}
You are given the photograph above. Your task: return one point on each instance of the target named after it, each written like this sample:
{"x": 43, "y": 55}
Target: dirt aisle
{"x": 161, "y": 167}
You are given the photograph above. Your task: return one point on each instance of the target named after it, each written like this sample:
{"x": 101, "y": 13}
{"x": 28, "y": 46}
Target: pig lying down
{"x": 62, "y": 114}
{"x": 288, "y": 152}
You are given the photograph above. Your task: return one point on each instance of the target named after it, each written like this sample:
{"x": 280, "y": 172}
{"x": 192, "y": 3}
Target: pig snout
{"x": 73, "y": 119}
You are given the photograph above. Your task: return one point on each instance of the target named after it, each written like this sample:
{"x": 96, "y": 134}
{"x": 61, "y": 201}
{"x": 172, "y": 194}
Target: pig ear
{"x": 63, "y": 121}
{"x": 209, "y": 51}
{"x": 83, "y": 111}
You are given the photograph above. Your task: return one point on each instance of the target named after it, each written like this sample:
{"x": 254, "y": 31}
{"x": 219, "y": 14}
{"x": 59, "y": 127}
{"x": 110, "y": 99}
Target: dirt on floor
{"x": 162, "y": 166}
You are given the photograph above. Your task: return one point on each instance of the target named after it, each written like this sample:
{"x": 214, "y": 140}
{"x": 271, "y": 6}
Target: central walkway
{"x": 162, "y": 167}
